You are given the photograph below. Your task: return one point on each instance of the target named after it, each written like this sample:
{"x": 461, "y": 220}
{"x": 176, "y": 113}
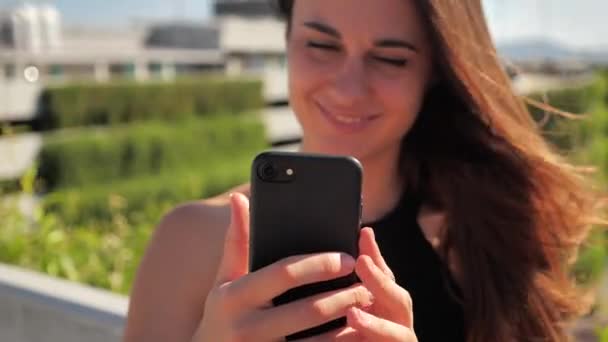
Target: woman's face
{"x": 358, "y": 70}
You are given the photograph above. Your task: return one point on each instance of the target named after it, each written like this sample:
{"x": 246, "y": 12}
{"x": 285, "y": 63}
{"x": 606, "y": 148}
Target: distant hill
{"x": 540, "y": 49}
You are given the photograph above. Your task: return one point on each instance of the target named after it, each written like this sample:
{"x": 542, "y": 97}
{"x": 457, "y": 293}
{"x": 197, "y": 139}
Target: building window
{"x": 255, "y": 63}
{"x": 7, "y": 34}
{"x": 121, "y": 71}
{"x": 155, "y": 69}
{"x": 55, "y": 70}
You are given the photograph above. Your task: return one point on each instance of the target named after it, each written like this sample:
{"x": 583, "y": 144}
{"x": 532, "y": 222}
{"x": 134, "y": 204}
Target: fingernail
{"x": 234, "y": 199}
{"x": 360, "y": 316}
{"x": 347, "y": 261}
{"x": 372, "y": 233}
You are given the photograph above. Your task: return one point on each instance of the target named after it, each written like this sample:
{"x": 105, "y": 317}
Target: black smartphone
{"x": 302, "y": 204}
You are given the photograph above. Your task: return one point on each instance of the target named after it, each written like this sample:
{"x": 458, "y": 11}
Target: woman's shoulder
{"x": 178, "y": 269}
{"x": 206, "y": 218}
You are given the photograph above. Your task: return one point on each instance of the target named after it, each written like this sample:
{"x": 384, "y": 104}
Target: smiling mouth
{"x": 347, "y": 119}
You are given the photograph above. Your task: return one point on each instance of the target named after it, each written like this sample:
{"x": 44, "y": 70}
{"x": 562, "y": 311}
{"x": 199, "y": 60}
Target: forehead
{"x": 363, "y": 18}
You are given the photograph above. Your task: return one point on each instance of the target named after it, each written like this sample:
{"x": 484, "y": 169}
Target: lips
{"x": 346, "y": 121}
{"x": 349, "y": 119}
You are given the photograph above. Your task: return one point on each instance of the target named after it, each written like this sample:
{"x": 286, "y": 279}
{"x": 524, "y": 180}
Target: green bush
{"x": 591, "y": 260}
{"x": 90, "y": 156}
{"x": 124, "y": 102}
{"x": 104, "y": 255}
{"x": 564, "y": 133}
{"x": 585, "y": 142}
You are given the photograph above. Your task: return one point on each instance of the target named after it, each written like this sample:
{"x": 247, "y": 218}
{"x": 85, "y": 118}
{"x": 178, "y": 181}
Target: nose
{"x": 350, "y": 84}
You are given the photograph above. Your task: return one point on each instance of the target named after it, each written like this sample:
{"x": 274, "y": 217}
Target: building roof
{"x": 212, "y": 57}
{"x": 183, "y": 35}
{"x": 86, "y": 45}
{"x": 246, "y": 8}
{"x": 252, "y": 35}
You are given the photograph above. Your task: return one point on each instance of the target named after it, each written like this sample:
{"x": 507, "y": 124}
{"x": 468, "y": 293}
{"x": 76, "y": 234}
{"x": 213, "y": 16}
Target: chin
{"x": 361, "y": 151}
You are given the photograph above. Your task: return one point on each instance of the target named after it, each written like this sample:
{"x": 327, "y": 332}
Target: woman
{"x": 415, "y": 91}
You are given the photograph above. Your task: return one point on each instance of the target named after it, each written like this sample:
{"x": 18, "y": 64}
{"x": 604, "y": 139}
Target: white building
{"x": 31, "y": 28}
{"x": 242, "y": 39}
{"x": 33, "y": 42}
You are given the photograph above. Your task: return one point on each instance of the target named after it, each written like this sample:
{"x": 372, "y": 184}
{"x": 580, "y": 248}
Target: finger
{"x": 369, "y": 246}
{"x": 373, "y": 328}
{"x": 235, "y": 258}
{"x": 258, "y": 288}
{"x": 387, "y": 293}
{"x": 306, "y": 313}
{"x": 346, "y": 334}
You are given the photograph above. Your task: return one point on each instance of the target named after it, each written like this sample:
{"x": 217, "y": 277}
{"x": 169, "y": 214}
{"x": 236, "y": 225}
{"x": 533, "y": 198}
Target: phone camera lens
{"x": 267, "y": 171}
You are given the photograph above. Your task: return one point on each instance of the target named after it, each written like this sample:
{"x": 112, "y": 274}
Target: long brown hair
{"x": 516, "y": 210}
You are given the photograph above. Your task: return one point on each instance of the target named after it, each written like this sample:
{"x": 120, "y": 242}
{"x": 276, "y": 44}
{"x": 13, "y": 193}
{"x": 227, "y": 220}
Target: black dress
{"x": 438, "y": 316}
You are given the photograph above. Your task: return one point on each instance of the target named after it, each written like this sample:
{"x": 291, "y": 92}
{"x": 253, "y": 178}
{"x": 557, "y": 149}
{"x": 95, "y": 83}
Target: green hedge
{"x": 92, "y": 156}
{"x": 123, "y": 102}
{"x": 97, "y": 234}
{"x": 147, "y": 198}
{"x": 604, "y": 75}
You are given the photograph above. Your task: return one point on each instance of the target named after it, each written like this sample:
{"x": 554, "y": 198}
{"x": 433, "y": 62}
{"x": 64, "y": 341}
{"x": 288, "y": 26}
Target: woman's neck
{"x": 382, "y": 186}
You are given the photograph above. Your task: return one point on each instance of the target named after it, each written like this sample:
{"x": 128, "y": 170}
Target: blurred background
{"x": 114, "y": 111}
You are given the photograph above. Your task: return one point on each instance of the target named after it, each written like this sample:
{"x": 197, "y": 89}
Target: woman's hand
{"x": 390, "y": 318}
{"x": 239, "y": 308}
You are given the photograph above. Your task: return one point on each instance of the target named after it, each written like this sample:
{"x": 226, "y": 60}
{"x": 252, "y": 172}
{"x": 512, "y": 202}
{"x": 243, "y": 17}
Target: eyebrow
{"x": 323, "y": 28}
{"x": 386, "y": 42}
{"x": 396, "y": 43}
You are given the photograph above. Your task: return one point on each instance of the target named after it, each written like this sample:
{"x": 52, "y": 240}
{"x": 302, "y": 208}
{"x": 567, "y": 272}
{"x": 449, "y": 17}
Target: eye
{"x": 323, "y": 46}
{"x": 392, "y": 61}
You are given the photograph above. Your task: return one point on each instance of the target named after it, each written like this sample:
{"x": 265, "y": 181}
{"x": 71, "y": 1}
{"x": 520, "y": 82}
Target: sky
{"x": 575, "y": 23}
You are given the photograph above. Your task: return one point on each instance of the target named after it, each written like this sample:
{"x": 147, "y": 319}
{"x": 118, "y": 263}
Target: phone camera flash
{"x": 289, "y": 172}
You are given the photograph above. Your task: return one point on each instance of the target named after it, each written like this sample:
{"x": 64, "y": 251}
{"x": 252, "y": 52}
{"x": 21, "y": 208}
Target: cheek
{"x": 305, "y": 77}
{"x": 402, "y": 98}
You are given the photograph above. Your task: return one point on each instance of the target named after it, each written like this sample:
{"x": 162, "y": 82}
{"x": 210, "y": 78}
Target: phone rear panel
{"x": 314, "y": 208}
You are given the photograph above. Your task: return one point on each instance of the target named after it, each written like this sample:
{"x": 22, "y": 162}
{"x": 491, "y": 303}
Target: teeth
{"x": 348, "y": 120}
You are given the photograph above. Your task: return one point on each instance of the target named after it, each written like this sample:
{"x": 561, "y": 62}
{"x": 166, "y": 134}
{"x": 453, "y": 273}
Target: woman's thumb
{"x": 235, "y": 258}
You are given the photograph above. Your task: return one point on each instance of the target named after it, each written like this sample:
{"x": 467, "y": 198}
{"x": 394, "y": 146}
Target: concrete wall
{"x": 17, "y": 153}
{"x": 18, "y": 100}
{"x": 35, "y": 308}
